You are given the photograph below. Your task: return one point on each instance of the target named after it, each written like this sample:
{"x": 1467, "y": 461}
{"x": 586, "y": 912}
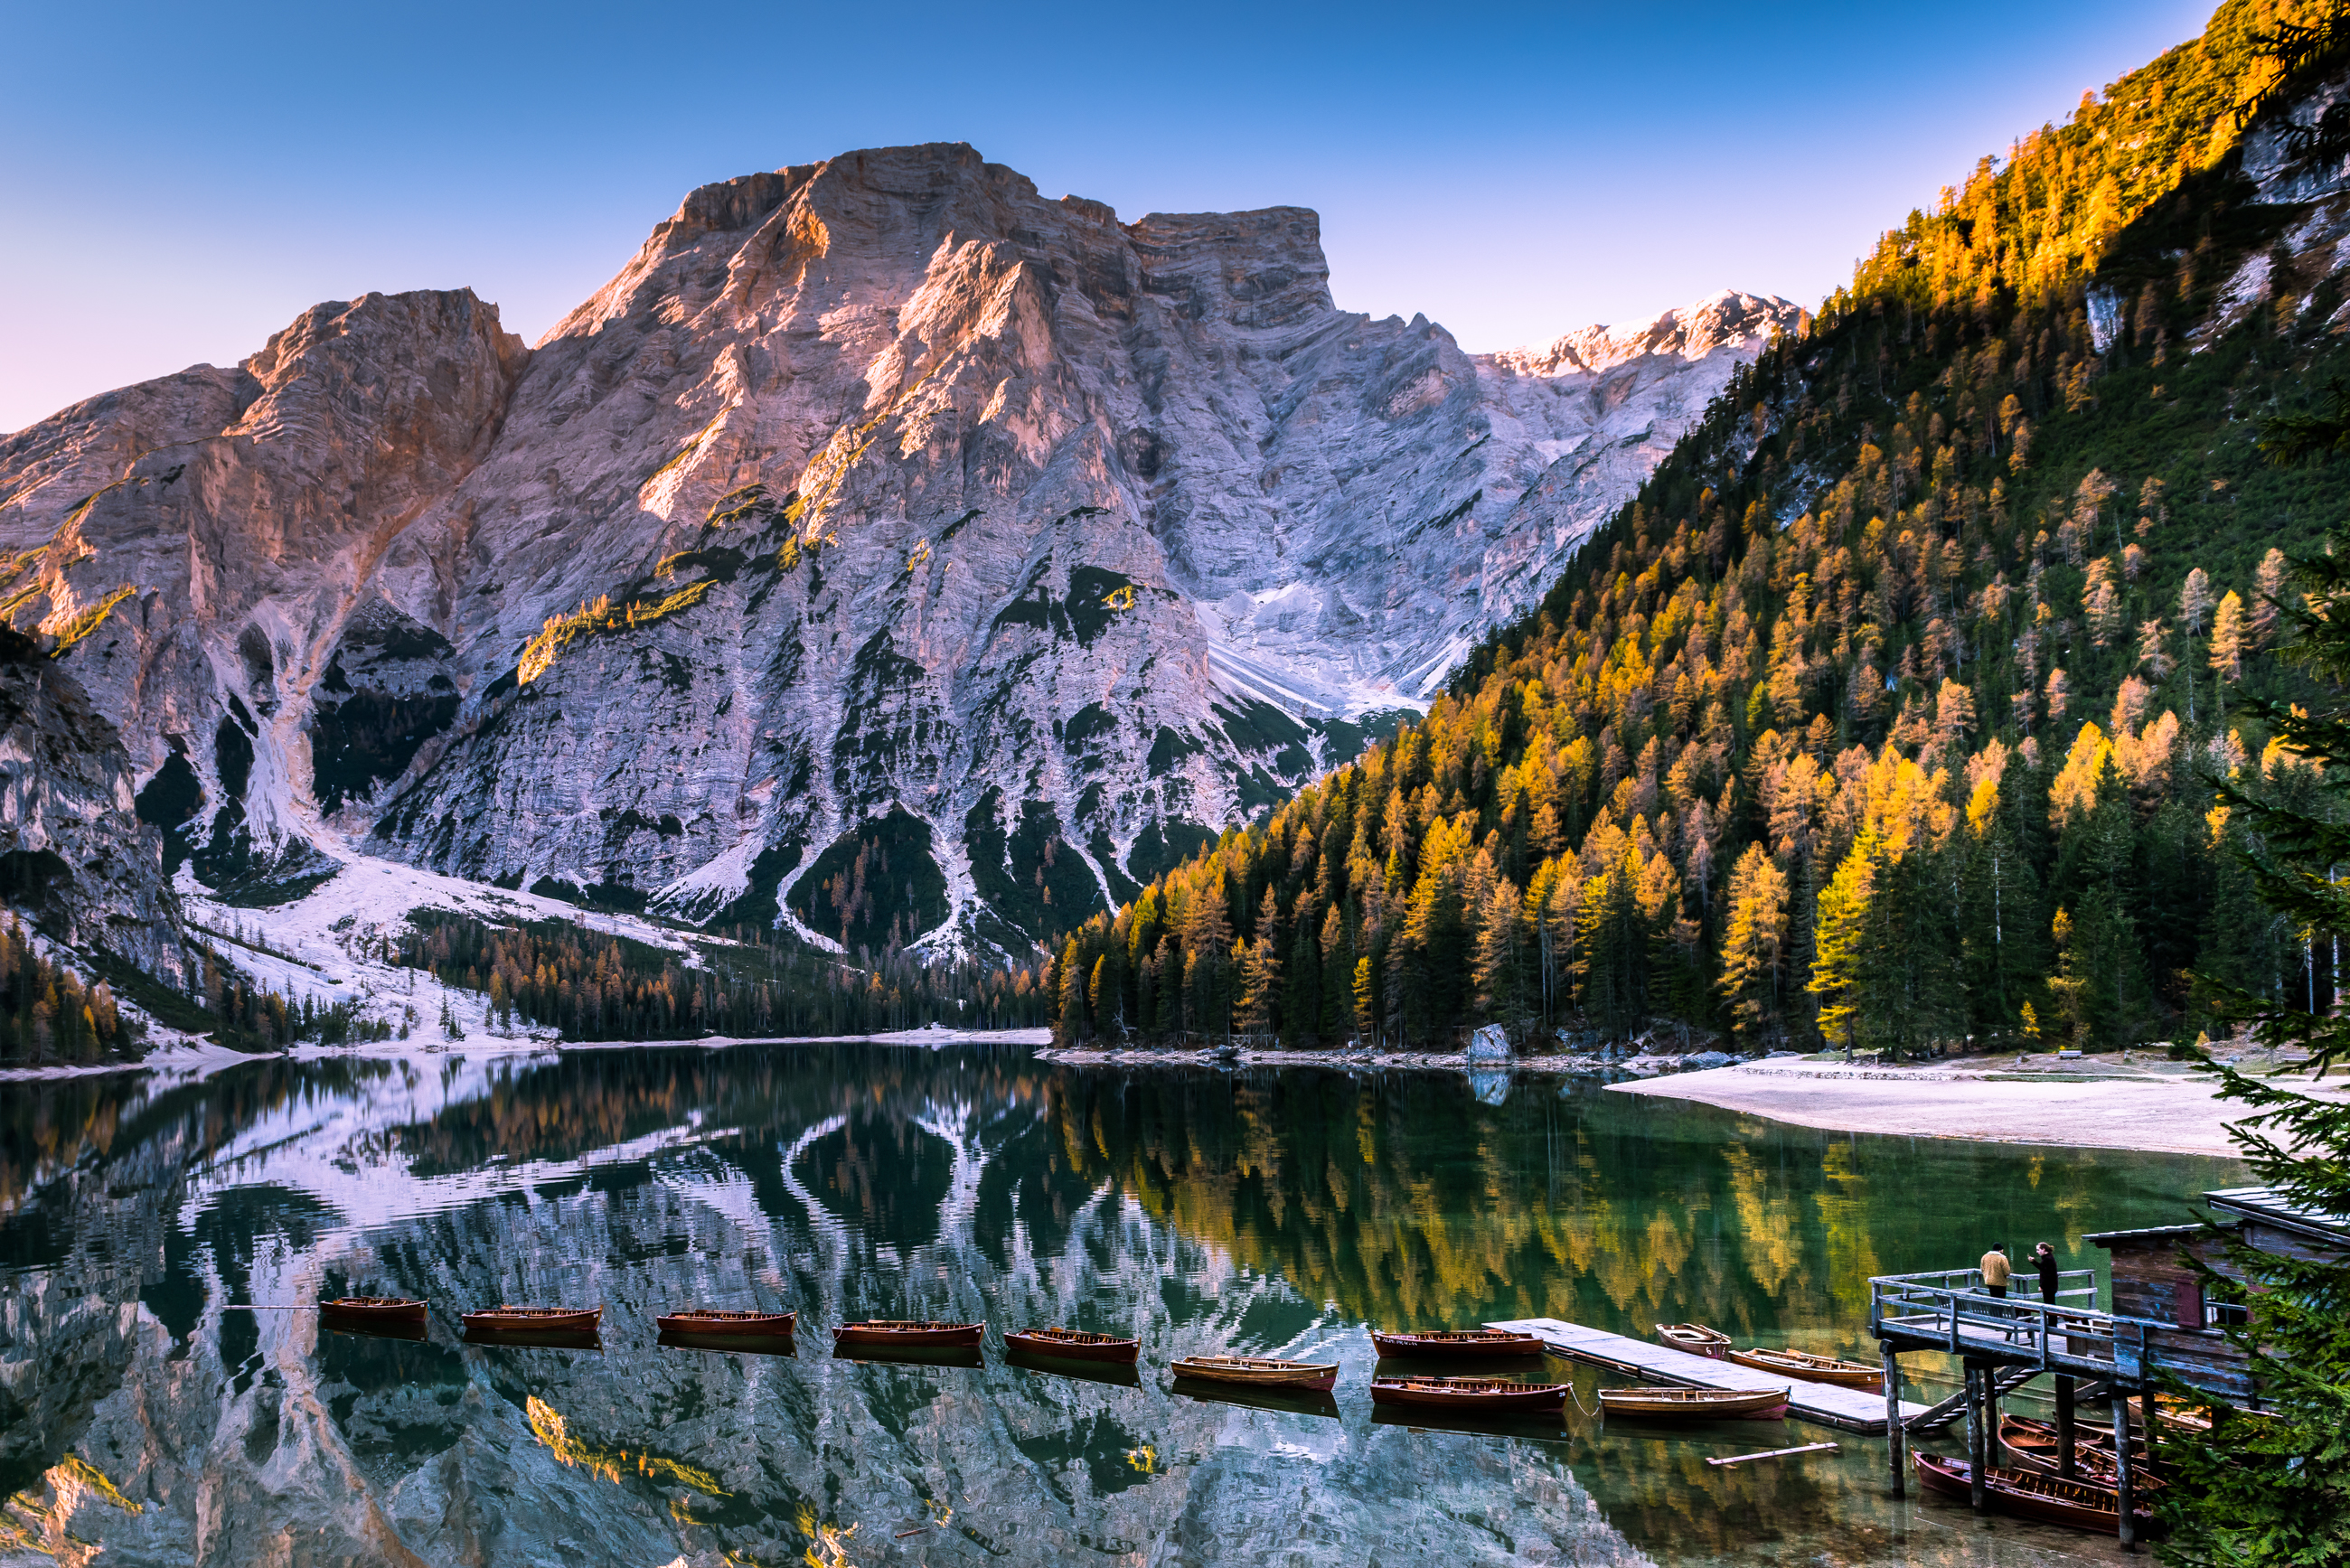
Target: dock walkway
{"x": 1852, "y": 1410}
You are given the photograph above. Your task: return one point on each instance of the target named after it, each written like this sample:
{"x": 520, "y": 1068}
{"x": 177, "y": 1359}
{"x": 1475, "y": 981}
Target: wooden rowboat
{"x": 1695, "y": 1404}
{"x": 1695, "y": 1338}
{"x": 374, "y": 1308}
{"x": 1075, "y": 1344}
{"x": 534, "y": 1320}
{"x": 711, "y": 1322}
{"x": 2033, "y": 1446}
{"x": 901, "y": 1334}
{"x": 1812, "y": 1368}
{"x": 1479, "y": 1342}
{"x": 2048, "y": 1498}
{"x": 1260, "y": 1372}
{"x": 2175, "y": 1412}
{"x": 1465, "y": 1395}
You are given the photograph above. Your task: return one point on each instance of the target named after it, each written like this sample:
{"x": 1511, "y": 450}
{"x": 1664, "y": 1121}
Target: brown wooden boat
{"x": 1478, "y": 1341}
{"x": 373, "y": 1308}
{"x": 1695, "y": 1338}
{"x": 1812, "y": 1368}
{"x": 2033, "y": 1446}
{"x": 1074, "y": 1344}
{"x": 534, "y": 1320}
{"x": 1468, "y": 1394}
{"x": 2176, "y": 1413}
{"x": 904, "y": 1333}
{"x": 710, "y": 1322}
{"x": 1260, "y": 1372}
{"x": 2048, "y": 1498}
{"x": 1695, "y": 1404}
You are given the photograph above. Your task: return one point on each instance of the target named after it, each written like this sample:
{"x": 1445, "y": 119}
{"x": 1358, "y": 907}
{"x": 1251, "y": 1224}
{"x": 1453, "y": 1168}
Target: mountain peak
{"x": 1726, "y": 317}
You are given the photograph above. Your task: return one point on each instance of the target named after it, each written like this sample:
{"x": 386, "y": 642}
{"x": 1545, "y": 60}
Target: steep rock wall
{"x": 886, "y": 543}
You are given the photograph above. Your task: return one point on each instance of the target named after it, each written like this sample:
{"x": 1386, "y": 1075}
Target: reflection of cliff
{"x": 1200, "y": 1210}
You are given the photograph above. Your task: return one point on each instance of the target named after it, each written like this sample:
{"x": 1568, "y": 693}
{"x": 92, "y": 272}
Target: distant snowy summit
{"x": 1730, "y": 320}
{"x": 887, "y": 550}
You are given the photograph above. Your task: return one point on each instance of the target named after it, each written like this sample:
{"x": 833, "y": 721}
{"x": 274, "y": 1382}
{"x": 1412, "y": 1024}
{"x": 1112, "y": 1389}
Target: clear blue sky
{"x": 177, "y": 180}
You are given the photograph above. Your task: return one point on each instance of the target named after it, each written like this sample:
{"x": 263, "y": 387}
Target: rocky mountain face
{"x": 886, "y": 549}
{"x": 72, "y": 853}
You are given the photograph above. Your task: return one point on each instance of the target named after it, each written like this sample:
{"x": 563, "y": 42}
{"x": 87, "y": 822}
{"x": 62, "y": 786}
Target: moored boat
{"x": 728, "y": 1344}
{"x": 1695, "y": 1338}
{"x": 905, "y": 1334}
{"x": 2176, "y": 1412}
{"x": 1260, "y": 1372}
{"x": 1468, "y": 1394}
{"x": 1695, "y": 1404}
{"x": 711, "y": 1322}
{"x": 2033, "y": 1446}
{"x": 373, "y": 1308}
{"x": 1811, "y": 1369}
{"x": 2048, "y": 1499}
{"x": 534, "y": 1320}
{"x": 1075, "y": 1344}
{"x": 1478, "y": 1341}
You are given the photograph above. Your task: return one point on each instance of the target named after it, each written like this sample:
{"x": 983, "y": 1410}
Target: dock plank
{"x": 1848, "y": 1409}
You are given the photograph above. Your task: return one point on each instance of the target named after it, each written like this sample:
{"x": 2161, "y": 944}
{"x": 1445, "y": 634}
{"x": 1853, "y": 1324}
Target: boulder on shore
{"x": 1489, "y": 1043}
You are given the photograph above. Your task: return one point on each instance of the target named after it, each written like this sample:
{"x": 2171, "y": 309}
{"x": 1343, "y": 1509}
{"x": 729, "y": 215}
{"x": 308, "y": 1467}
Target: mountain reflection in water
{"x": 143, "y": 1419}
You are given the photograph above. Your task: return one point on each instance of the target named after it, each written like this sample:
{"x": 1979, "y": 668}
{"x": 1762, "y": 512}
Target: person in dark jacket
{"x": 2044, "y": 1256}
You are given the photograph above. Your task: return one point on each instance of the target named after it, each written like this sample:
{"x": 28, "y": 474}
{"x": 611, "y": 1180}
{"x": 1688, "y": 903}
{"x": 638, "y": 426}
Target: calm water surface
{"x": 145, "y": 1420}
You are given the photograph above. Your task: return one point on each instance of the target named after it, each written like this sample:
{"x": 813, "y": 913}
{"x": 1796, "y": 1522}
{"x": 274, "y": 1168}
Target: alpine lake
{"x": 165, "y": 1399}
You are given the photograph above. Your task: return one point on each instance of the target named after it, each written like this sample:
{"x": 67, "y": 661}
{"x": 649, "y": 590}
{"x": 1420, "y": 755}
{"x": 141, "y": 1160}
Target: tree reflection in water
{"x": 1274, "y": 1214}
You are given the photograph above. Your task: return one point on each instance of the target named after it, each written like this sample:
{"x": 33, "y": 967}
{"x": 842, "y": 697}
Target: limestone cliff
{"x": 886, "y": 542}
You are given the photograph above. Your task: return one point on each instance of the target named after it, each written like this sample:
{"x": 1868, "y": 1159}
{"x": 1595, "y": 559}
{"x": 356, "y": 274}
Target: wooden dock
{"x": 1850, "y": 1410}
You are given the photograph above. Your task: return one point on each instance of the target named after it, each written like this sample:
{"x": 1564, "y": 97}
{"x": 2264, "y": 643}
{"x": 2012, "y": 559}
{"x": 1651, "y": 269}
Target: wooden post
{"x": 1893, "y": 1457}
{"x": 1976, "y": 1496}
{"x": 2122, "y": 1488}
{"x": 2068, "y": 1462}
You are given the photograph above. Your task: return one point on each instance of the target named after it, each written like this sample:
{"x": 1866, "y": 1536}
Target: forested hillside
{"x": 1888, "y": 713}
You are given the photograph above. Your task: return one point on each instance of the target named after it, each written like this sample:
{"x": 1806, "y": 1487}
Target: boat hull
{"x": 411, "y": 1331}
{"x": 1695, "y": 1338}
{"x": 1251, "y": 1372}
{"x": 372, "y": 1310}
{"x": 1118, "y": 1351}
{"x": 2032, "y": 1446}
{"x": 728, "y": 1343}
{"x": 1695, "y": 1404}
{"x": 709, "y": 1325}
{"x": 1468, "y": 1396}
{"x": 964, "y": 1355}
{"x": 1810, "y": 1369}
{"x": 2073, "y": 1504}
{"x": 534, "y": 1320}
{"x": 1118, "y": 1374}
{"x": 908, "y": 1336}
{"x": 1489, "y": 1343}
{"x": 537, "y": 1338}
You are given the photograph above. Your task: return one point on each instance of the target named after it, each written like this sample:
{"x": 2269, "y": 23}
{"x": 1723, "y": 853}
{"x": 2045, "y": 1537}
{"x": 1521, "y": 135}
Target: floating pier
{"x": 1849, "y": 1409}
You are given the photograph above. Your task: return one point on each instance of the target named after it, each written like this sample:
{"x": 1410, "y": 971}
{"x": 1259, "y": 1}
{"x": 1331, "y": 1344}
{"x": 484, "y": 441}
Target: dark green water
{"x": 143, "y": 1416}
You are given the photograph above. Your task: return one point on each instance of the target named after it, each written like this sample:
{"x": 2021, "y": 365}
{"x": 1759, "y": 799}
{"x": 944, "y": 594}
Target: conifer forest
{"x": 1889, "y": 715}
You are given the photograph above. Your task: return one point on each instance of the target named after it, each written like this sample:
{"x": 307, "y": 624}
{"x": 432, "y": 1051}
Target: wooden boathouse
{"x": 2160, "y": 1321}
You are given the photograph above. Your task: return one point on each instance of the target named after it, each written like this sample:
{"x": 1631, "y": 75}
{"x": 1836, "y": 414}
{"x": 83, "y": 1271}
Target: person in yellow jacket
{"x": 1996, "y": 1270}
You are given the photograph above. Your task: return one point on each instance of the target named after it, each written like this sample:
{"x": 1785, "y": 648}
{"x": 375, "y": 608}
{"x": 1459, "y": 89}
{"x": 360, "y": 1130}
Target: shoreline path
{"x": 2167, "y": 1114}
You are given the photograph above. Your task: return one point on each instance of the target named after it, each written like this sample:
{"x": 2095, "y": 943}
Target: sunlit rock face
{"x": 886, "y": 547}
